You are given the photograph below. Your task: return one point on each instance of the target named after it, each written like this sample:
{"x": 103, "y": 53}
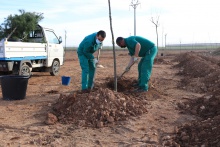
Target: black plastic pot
{"x": 14, "y": 87}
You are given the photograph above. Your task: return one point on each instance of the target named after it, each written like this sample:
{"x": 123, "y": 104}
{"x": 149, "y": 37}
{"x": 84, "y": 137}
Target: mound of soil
{"x": 206, "y": 130}
{"x": 204, "y": 107}
{"x": 200, "y": 133}
{"x": 201, "y": 73}
{"x": 161, "y": 60}
{"x": 216, "y": 52}
{"x": 123, "y": 55}
{"x": 101, "y": 107}
{"x": 194, "y": 65}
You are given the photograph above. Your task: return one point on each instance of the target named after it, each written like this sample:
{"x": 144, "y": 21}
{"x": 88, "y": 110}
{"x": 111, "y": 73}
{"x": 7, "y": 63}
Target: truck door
{"x": 54, "y": 48}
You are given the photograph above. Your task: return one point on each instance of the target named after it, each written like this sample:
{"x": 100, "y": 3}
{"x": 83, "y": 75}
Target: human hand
{"x": 127, "y": 69}
{"x": 96, "y": 61}
{"x": 135, "y": 59}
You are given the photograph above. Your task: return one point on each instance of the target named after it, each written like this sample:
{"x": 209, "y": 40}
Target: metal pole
{"x": 64, "y": 52}
{"x": 134, "y": 5}
{"x": 134, "y": 21}
{"x": 65, "y": 40}
{"x": 165, "y": 41}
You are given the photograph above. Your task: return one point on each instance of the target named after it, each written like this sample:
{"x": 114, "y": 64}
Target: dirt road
{"x": 180, "y": 108}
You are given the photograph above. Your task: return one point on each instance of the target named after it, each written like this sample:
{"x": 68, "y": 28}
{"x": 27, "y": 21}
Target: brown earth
{"x": 181, "y": 107}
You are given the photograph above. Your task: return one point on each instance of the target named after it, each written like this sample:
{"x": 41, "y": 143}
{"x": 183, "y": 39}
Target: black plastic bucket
{"x": 14, "y": 87}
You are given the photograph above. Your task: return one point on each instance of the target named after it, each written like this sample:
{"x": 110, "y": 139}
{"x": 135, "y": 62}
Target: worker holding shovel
{"x": 88, "y": 62}
{"x": 140, "y": 47}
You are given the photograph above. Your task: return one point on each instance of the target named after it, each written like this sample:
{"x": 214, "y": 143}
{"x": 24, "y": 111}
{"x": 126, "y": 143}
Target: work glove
{"x": 127, "y": 69}
{"x": 95, "y": 61}
{"x": 133, "y": 60}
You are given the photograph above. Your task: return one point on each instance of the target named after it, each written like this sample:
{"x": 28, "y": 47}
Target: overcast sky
{"x": 185, "y": 21}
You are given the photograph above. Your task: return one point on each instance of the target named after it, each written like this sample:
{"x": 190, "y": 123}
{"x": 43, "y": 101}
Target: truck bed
{"x": 22, "y": 50}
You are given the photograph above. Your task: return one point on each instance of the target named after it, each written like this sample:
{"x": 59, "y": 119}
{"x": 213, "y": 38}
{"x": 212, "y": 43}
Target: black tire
{"x": 25, "y": 70}
{"x": 55, "y": 68}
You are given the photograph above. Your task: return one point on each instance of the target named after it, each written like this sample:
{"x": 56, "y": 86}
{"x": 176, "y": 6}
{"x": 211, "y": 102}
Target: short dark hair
{"x": 102, "y": 33}
{"x": 119, "y": 39}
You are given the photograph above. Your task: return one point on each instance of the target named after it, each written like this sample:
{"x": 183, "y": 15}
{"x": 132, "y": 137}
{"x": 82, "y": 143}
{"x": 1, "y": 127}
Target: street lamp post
{"x": 134, "y": 4}
{"x": 165, "y": 41}
{"x": 65, "y": 39}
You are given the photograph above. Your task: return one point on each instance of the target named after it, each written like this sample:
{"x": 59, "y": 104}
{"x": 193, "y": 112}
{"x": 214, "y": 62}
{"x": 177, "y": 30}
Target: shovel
{"x": 93, "y": 81}
{"x": 126, "y": 71}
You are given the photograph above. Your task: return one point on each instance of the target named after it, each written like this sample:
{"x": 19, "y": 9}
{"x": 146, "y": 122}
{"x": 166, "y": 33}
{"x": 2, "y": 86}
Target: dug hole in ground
{"x": 181, "y": 107}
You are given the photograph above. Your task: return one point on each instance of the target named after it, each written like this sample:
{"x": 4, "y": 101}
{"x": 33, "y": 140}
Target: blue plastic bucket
{"x": 66, "y": 80}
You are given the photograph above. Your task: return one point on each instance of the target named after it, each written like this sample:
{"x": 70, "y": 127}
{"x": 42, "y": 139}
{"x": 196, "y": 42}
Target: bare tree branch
{"x": 156, "y": 23}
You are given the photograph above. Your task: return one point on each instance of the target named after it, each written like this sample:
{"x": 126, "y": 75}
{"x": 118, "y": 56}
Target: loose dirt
{"x": 181, "y": 107}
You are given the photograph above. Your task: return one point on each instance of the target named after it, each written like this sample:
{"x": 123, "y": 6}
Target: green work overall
{"x": 148, "y": 52}
{"x": 85, "y": 54}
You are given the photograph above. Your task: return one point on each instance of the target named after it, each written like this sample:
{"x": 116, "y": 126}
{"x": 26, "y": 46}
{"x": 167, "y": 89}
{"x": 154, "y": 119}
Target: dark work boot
{"x": 85, "y": 91}
{"x": 139, "y": 90}
{"x": 135, "y": 85}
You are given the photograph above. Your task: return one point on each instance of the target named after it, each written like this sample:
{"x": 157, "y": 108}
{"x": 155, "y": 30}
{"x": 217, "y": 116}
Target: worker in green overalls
{"x": 140, "y": 47}
{"x": 87, "y": 47}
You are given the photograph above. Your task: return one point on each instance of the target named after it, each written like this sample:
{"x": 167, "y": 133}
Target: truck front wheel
{"x": 55, "y": 68}
{"x": 25, "y": 70}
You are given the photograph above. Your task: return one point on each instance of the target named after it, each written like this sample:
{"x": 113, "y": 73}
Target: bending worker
{"x": 140, "y": 47}
{"x": 87, "y": 47}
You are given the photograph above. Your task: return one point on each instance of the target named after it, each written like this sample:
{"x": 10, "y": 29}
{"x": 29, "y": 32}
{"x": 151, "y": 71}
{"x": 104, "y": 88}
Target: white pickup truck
{"x": 42, "y": 52}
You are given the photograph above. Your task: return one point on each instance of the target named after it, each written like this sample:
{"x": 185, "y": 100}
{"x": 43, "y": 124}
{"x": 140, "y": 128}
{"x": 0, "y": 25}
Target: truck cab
{"x": 41, "y": 51}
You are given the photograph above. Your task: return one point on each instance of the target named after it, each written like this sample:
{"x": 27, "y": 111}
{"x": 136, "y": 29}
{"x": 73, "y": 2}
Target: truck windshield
{"x": 51, "y": 37}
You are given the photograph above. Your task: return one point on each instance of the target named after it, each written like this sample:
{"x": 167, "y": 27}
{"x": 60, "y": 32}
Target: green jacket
{"x": 88, "y": 46}
{"x": 146, "y": 45}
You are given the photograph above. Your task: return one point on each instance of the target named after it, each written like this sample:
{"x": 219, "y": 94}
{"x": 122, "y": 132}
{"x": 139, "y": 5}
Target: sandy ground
{"x": 22, "y": 122}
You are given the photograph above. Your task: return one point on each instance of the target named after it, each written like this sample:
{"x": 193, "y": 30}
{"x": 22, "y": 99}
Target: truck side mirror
{"x": 60, "y": 39}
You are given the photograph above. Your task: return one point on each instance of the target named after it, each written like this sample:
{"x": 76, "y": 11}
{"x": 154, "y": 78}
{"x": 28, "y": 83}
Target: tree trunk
{"x": 157, "y": 39}
{"x": 113, "y": 43}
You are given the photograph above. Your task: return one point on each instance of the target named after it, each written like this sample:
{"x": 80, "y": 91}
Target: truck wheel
{"x": 55, "y": 68}
{"x": 25, "y": 70}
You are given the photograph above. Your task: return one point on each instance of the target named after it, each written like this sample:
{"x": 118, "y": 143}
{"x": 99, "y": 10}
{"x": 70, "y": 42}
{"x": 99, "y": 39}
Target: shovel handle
{"x": 98, "y": 55}
{"x": 126, "y": 70}
{"x": 93, "y": 81}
